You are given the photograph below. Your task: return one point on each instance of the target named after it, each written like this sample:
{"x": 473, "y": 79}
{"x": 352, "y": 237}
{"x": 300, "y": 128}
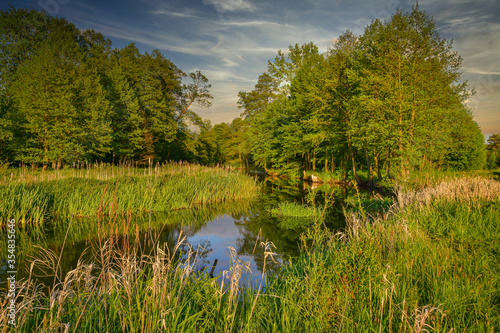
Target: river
{"x": 214, "y": 231}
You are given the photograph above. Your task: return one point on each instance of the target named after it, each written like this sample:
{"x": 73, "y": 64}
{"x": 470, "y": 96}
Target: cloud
{"x": 250, "y": 23}
{"x": 231, "y": 5}
{"x": 480, "y": 71}
{"x": 166, "y": 12}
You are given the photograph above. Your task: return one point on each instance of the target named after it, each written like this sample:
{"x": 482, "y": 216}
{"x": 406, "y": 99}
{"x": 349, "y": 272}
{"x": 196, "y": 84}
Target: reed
{"x": 124, "y": 290}
{"x": 425, "y": 265}
{"x": 291, "y": 215}
{"x": 82, "y": 194}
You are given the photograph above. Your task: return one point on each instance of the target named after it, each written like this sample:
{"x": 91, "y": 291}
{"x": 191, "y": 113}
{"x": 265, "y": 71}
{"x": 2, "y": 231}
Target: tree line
{"x": 68, "y": 95}
{"x": 384, "y": 103}
{"x": 388, "y": 101}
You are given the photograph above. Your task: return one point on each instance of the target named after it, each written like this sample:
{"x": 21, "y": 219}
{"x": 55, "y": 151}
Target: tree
{"x": 65, "y": 95}
{"x": 196, "y": 92}
{"x": 493, "y": 148}
{"x": 392, "y": 96}
{"x": 22, "y": 31}
{"x": 6, "y": 125}
{"x": 143, "y": 91}
{"x": 494, "y": 144}
{"x": 59, "y": 103}
{"x": 259, "y": 99}
{"x": 409, "y": 78}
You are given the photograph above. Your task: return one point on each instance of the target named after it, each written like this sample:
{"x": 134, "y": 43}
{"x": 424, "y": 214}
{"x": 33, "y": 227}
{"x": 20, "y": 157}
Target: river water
{"x": 215, "y": 231}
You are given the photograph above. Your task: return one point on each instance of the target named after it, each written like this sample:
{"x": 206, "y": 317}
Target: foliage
{"x": 389, "y": 100}
{"x": 493, "y": 147}
{"x": 66, "y": 96}
{"x": 294, "y": 216}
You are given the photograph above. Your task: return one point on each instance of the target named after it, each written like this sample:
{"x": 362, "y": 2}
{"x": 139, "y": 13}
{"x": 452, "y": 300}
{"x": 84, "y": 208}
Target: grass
{"x": 37, "y": 197}
{"x": 295, "y": 216}
{"x": 429, "y": 263}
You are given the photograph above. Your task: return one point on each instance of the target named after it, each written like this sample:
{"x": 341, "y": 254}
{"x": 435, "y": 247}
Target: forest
{"x": 381, "y": 104}
{"x": 68, "y": 96}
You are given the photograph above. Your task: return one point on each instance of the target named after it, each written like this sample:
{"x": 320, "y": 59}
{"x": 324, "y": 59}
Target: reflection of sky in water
{"x": 216, "y": 227}
{"x": 221, "y": 233}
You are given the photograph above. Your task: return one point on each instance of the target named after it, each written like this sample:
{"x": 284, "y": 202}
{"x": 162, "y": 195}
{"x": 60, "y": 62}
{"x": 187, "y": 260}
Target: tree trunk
{"x": 389, "y": 164}
{"x": 377, "y": 165}
{"x": 369, "y": 165}
{"x": 352, "y": 159}
{"x": 423, "y": 163}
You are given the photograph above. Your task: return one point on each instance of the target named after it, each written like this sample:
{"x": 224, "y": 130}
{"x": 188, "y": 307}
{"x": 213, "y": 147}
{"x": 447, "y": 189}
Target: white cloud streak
{"x": 231, "y": 5}
{"x": 166, "y": 12}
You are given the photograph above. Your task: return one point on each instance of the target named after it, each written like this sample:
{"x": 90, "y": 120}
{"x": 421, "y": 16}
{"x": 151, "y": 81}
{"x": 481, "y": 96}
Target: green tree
{"x": 144, "y": 97}
{"x": 392, "y": 96}
{"x": 409, "y": 77}
{"x": 61, "y": 107}
{"x": 259, "y": 99}
{"x": 493, "y": 147}
{"x": 494, "y": 143}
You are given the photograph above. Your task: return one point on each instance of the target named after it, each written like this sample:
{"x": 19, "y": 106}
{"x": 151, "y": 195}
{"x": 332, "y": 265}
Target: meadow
{"x": 426, "y": 262}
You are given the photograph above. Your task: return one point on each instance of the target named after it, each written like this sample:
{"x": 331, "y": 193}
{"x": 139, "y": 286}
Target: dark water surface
{"x": 212, "y": 230}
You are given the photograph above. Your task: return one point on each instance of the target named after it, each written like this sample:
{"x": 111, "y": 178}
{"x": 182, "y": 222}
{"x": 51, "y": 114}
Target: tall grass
{"x": 425, "y": 265}
{"x": 122, "y": 290}
{"x": 292, "y": 215}
{"x": 169, "y": 188}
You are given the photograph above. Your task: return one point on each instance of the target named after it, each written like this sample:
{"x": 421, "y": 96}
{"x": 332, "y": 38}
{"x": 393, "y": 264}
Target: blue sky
{"x": 230, "y": 41}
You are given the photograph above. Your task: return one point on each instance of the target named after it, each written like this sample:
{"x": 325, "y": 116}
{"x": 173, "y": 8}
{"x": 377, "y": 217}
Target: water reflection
{"x": 213, "y": 229}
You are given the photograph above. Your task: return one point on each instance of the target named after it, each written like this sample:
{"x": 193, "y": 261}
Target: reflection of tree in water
{"x": 258, "y": 226}
{"x": 251, "y": 217}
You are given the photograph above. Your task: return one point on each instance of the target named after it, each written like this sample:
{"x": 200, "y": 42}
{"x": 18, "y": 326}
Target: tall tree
{"x": 376, "y": 99}
{"x": 259, "y": 99}
{"x": 494, "y": 143}
{"x": 59, "y": 102}
{"x": 144, "y": 96}
{"x": 410, "y": 75}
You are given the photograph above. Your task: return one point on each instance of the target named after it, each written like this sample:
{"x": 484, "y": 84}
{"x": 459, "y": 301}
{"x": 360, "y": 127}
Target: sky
{"x": 231, "y": 41}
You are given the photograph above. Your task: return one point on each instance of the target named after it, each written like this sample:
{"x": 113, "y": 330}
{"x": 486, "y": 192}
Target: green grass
{"x": 35, "y": 199}
{"x": 429, "y": 264}
{"x": 293, "y": 216}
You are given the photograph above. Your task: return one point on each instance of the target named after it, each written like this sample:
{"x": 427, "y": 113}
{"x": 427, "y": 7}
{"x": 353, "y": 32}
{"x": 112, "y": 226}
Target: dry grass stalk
{"x": 422, "y": 315}
{"x": 462, "y": 190}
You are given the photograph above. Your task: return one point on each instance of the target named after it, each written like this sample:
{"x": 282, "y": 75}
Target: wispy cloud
{"x": 231, "y": 5}
{"x": 250, "y": 23}
{"x": 480, "y": 71}
{"x": 155, "y": 39}
{"x": 177, "y": 14}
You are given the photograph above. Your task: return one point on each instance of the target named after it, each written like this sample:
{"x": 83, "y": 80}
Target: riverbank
{"x": 430, "y": 262}
{"x": 35, "y": 197}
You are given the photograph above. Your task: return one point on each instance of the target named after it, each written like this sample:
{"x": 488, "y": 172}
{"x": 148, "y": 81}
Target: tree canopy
{"x": 386, "y": 102}
{"x": 67, "y": 95}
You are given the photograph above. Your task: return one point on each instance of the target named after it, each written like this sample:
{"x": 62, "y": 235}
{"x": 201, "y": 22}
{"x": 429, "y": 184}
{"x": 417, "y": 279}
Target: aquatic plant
{"x": 85, "y": 194}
